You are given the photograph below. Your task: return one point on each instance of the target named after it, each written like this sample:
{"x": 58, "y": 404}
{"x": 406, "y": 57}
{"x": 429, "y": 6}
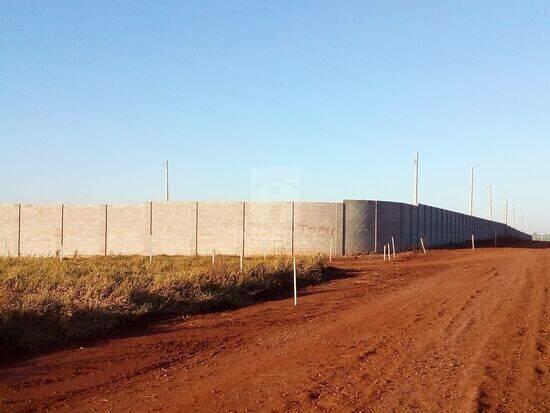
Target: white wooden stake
{"x": 393, "y": 245}
{"x": 473, "y": 243}
{"x": 295, "y": 284}
{"x": 213, "y": 257}
{"x": 384, "y": 253}
{"x": 389, "y": 252}
{"x": 423, "y": 247}
{"x": 330, "y": 251}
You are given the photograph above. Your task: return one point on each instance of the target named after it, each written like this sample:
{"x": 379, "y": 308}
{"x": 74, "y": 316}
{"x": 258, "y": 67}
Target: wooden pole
{"x": 393, "y": 246}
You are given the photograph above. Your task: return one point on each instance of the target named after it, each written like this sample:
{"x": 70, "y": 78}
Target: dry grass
{"x": 44, "y": 301}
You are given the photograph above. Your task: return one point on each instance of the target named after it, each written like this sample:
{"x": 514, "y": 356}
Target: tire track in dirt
{"x": 453, "y": 331}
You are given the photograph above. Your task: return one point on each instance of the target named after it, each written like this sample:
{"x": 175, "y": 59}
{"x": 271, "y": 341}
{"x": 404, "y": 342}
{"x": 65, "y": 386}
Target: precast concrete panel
{"x": 423, "y": 212}
{"x": 414, "y": 226}
{"x": 9, "y": 230}
{"x": 268, "y": 228}
{"x": 40, "y": 230}
{"x": 221, "y": 228}
{"x": 359, "y": 226}
{"x": 389, "y": 223}
{"x": 406, "y": 227}
{"x": 315, "y": 224}
{"x": 84, "y": 229}
{"x": 128, "y": 229}
{"x": 429, "y": 227}
{"x": 174, "y": 228}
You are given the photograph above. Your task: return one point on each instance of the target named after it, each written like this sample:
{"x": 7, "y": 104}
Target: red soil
{"x": 456, "y": 330}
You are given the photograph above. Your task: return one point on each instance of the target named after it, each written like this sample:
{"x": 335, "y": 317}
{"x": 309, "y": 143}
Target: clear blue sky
{"x": 94, "y": 95}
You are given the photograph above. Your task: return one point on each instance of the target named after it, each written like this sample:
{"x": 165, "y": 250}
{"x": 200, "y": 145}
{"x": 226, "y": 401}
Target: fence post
{"x": 151, "y": 231}
{"x": 375, "y": 226}
{"x": 19, "y": 231}
{"x": 295, "y": 282}
{"x": 62, "y": 224}
{"x": 292, "y": 229}
{"x": 197, "y": 228}
{"x": 244, "y": 234}
{"x": 106, "y": 227}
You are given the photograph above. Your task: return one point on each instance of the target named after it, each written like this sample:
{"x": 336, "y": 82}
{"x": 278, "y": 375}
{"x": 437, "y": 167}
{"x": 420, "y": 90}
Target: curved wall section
{"x": 359, "y": 218}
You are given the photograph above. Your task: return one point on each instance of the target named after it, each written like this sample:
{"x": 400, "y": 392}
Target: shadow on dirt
{"x": 113, "y": 325}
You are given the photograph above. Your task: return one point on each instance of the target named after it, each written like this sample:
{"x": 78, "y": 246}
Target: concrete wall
{"x": 174, "y": 228}
{"x": 408, "y": 223}
{"x": 389, "y": 223}
{"x": 40, "y": 230}
{"x": 128, "y": 229}
{"x": 84, "y": 229}
{"x": 9, "y": 230}
{"x": 252, "y": 228}
{"x": 268, "y": 228}
{"x": 220, "y": 228}
{"x": 359, "y": 226}
{"x": 315, "y": 225}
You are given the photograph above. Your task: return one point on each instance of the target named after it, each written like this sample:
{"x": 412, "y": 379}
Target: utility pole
{"x": 472, "y": 193}
{"x": 416, "y": 166}
{"x": 522, "y": 230}
{"x": 490, "y": 202}
{"x": 506, "y": 212}
{"x": 166, "y": 192}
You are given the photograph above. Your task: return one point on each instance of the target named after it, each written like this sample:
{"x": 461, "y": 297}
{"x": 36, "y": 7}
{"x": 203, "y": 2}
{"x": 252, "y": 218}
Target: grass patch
{"x": 45, "y": 301}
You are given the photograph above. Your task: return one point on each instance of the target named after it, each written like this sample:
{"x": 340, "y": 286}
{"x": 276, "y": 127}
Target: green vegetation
{"x": 45, "y": 301}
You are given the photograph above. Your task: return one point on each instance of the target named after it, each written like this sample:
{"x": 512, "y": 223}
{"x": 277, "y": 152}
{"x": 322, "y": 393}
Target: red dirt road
{"x": 453, "y": 331}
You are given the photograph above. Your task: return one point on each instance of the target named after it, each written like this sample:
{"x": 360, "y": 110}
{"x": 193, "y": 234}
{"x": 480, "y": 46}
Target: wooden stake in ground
{"x": 295, "y": 284}
{"x": 213, "y": 257}
{"x": 330, "y": 251}
{"x": 393, "y": 245}
{"x": 389, "y": 252}
{"x": 473, "y": 242}
{"x": 384, "y": 253}
{"x": 423, "y": 247}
